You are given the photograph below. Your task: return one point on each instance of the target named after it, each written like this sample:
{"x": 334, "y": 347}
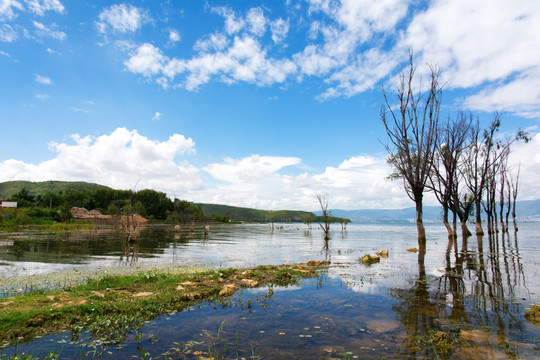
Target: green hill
{"x": 254, "y": 215}
{"x": 10, "y": 188}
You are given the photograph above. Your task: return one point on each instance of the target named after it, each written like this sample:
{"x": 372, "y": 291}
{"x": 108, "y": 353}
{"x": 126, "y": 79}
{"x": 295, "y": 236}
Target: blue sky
{"x": 252, "y": 103}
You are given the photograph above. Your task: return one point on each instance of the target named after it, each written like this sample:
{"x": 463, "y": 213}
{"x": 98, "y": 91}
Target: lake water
{"x": 479, "y": 289}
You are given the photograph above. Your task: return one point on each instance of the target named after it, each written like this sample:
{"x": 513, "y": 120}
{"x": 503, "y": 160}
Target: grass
{"x": 112, "y": 306}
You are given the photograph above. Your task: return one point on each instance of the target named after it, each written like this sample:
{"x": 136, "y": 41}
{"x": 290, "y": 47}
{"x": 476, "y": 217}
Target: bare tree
{"x": 444, "y": 179}
{"x": 477, "y": 169}
{"x": 485, "y": 156}
{"x": 412, "y": 131}
{"x": 514, "y": 185}
{"x": 325, "y": 215}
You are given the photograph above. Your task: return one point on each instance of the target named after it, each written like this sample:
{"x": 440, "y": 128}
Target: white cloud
{"x": 251, "y": 169}
{"x": 39, "y": 7}
{"x": 256, "y": 21}
{"x": 157, "y": 116}
{"x": 7, "y": 33}
{"x": 232, "y": 24}
{"x": 146, "y": 60}
{"x": 255, "y": 181}
{"x": 245, "y": 60}
{"x": 520, "y": 95}
{"x": 42, "y": 96}
{"x": 53, "y": 52}
{"x": 44, "y": 31}
{"x": 214, "y": 42}
{"x": 359, "y": 182}
{"x": 43, "y": 80}
{"x": 174, "y": 36}
{"x": 122, "y": 18}
{"x": 361, "y": 75}
{"x": 7, "y": 7}
{"x": 353, "y": 45}
{"x": 493, "y": 43}
{"x": 526, "y": 157}
{"x": 137, "y": 159}
{"x": 279, "y": 29}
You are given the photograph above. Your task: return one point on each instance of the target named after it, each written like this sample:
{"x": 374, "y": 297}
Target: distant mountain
{"x": 10, "y": 188}
{"x": 526, "y": 208}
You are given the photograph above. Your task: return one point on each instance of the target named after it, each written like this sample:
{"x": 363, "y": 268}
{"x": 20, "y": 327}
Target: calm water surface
{"x": 478, "y": 289}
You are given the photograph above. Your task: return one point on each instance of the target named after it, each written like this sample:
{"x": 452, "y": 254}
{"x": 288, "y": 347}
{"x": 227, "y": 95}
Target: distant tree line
{"x": 147, "y": 203}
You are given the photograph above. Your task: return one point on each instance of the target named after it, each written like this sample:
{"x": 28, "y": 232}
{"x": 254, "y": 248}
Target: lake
{"x": 478, "y": 289}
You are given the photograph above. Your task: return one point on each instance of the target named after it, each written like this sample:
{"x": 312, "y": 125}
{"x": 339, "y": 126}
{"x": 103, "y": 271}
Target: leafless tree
{"x": 325, "y": 215}
{"x": 514, "y": 185}
{"x": 445, "y": 177}
{"x": 412, "y": 131}
{"x": 478, "y": 166}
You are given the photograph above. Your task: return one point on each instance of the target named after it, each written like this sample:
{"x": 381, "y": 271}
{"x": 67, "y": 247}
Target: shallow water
{"x": 479, "y": 290}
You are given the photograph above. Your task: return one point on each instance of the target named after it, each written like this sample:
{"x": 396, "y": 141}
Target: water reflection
{"x": 130, "y": 253}
{"x": 469, "y": 311}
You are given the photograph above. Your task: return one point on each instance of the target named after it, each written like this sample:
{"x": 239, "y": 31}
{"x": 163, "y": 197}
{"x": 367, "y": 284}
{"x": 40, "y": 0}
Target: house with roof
{"x": 7, "y": 204}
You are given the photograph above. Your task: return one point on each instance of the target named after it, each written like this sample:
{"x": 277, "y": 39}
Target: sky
{"x": 262, "y": 104}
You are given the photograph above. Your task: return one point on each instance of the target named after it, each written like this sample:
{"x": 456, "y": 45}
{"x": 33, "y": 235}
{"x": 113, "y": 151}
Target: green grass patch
{"x": 111, "y": 306}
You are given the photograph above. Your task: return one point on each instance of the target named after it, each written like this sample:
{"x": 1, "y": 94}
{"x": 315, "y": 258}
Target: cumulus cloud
{"x": 153, "y": 164}
{"x": 146, "y": 60}
{"x": 251, "y": 169}
{"x": 244, "y": 60}
{"x": 526, "y": 158}
{"x": 43, "y": 80}
{"x": 489, "y": 43}
{"x": 279, "y": 28}
{"x": 256, "y": 181}
{"x": 233, "y": 24}
{"x": 122, "y": 18}
{"x": 174, "y": 36}
{"x": 157, "y": 116}
{"x": 354, "y": 45}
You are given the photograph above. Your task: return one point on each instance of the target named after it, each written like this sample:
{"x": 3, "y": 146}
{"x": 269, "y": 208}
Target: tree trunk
{"x": 419, "y": 222}
{"x": 479, "y": 230}
{"x": 451, "y": 233}
{"x": 465, "y": 232}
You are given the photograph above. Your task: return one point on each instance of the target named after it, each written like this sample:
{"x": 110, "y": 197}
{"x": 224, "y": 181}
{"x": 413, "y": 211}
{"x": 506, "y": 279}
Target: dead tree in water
{"x": 514, "y": 185}
{"x": 412, "y": 131}
{"x": 444, "y": 180}
{"x": 325, "y": 215}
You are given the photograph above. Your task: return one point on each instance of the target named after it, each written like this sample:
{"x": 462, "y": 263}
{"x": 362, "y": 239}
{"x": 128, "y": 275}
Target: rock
{"x": 382, "y": 253}
{"x": 414, "y": 250}
{"x": 188, "y": 283}
{"x": 382, "y": 325}
{"x": 97, "y": 293}
{"x": 179, "y": 288}
{"x": 370, "y": 259}
{"x": 316, "y": 263}
{"x": 143, "y": 294}
{"x": 533, "y": 315}
{"x": 228, "y": 290}
{"x": 248, "y": 283}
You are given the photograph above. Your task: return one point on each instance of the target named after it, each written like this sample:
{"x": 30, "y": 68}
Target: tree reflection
{"x": 476, "y": 295}
{"x": 130, "y": 252}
